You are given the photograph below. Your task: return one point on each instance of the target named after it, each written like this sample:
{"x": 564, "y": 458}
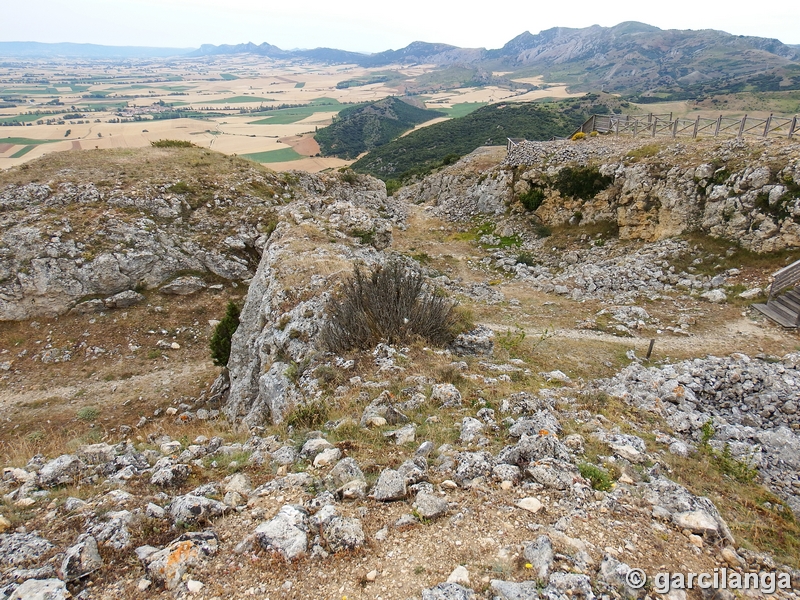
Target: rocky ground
{"x": 539, "y": 455}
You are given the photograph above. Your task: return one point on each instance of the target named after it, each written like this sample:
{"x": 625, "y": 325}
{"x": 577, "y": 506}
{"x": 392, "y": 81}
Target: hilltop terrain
{"x": 537, "y": 455}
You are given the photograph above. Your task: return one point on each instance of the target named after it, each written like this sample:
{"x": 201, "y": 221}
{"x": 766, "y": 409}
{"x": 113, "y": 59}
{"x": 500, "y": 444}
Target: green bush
{"x": 581, "y": 182}
{"x": 172, "y": 144}
{"x": 391, "y": 305}
{"x": 533, "y": 198}
{"x": 310, "y": 415}
{"x": 599, "y": 478}
{"x": 88, "y": 413}
{"x": 221, "y": 339}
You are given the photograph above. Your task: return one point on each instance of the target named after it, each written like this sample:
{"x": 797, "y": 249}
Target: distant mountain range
{"x": 634, "y": 59}
{"x": 70, "y": 50}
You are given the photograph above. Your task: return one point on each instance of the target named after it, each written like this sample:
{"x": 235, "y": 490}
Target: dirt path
{"x": 107, "y": 393}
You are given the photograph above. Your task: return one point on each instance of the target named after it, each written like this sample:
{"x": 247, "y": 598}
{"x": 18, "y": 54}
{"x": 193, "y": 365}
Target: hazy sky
{"x": 364, "y": 25}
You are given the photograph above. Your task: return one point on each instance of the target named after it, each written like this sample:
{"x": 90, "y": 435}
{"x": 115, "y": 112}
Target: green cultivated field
{"x": 461, "y": 109}
{"x": 284, "y": 116}
{"x": 274, "y": 156}
{"x": 228, "y": 76}
{"x": 22, "y": 151}
{"x": 300, "y": 84}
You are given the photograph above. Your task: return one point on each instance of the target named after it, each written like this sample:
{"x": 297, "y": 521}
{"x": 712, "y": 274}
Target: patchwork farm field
{"x": 263, "y": 109}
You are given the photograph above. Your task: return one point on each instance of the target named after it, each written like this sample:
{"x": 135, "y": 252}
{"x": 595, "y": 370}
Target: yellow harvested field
{"x": 425, "y": 124}
{"x": 239, "y": 104}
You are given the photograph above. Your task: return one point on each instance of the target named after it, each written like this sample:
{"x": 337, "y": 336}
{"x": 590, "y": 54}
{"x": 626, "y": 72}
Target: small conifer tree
{"x": 221, "y": 340}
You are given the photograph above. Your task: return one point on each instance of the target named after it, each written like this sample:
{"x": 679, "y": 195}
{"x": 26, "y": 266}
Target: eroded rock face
{"x": 717, "y": 188}
{"x": 311, "y": 248}
{"x": 141, "y": 238}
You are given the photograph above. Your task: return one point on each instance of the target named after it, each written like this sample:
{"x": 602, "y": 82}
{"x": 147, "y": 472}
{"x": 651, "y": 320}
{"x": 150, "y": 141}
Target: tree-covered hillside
{"x": 362, "y": 128}
{"x": 420, "y": 151}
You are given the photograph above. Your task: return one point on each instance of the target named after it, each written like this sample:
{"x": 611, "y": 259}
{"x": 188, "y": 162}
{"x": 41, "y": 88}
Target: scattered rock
{"x": 168, "y": 566}
{"x": 81, "y": 559}
{"x": 391, "y": 486}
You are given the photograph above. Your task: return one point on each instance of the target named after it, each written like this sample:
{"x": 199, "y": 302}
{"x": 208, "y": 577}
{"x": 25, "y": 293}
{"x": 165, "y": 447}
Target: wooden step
{"x": 777, "y": 314}
{"x": 790, "y": 304}
{"x": 793, "y": 294}
{"x": 788, "y": 314}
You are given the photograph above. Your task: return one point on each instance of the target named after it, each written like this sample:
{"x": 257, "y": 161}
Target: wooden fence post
{"x": 741, "y": 126}
{"x": 696, "y": 125}
{"x": 719, "y": 124}
{"x": 767, "y": 124}
{"x": 792, "y": 125}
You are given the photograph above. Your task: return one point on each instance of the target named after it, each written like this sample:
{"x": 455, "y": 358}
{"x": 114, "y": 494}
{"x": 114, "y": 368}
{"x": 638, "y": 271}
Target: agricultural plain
{"x": 264, "y": 109}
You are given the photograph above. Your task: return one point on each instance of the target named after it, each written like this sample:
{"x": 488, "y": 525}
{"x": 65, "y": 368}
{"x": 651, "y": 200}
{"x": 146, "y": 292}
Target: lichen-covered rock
{"x": 191, "y": 509}
{"x": 65, "y": 469}
{"x": 81, "y": 559}
{"x": 41, "y": 589}
{"x": 286, "y": 533}
{"x": 22, "y": 549}
{"x": 391, "y": 486}
{"x": 168, "y": 566}
{"x": 342, "y": 533}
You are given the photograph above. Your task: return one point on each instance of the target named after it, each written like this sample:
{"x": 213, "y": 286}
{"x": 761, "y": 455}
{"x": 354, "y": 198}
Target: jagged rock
{"x": 113, "y": 530}
{"x": 166, "y": 473}
{"x": 429, "y": 506}
{"x": 123, "y": 299}
{"x": 286, "y": 533}
{"x": 696, "y": 521}
{"x": 543, "y": 420}
{"x": 391, "y": 486}
{"x": 313, "y": 447}
{"x": 327, "y": 457}
{"x": 183, "y": 286}
{"x": 345, "y": 471}
{"x": 168, "y": 566}
{"x": 477, "y": 342}
{"x": 509, "y": 590}
{"x": 342, "y": 533}
{"x": 715, "y": 296}
{"x": 459, "y": 575}
{"x": 446, "y": 394}
{"x": 195, "y": 509}
{"x": 65, "y": 469}
{"x": 81, "y": 559}
{"x": 41, "y": 589}
{"x": 613, "y": 572}
{"x": 97, "y": 454}
{"x": 22, "y": 549}
{"x": 472, "y": 465}
{"x": 539, "y": 554}
{"x": 239, "y": 483}
{"x": 286, "y": 455}
{"x": 471, "y": 430}
{"x": 570, "y": 584}
{"x": 448, "y": 591}
{"x": 554, "y": 473}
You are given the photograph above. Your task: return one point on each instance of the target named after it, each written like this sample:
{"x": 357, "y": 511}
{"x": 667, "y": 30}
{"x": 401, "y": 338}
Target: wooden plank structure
{"x": 664, "y": 125}
{"x": 783, "y": 302}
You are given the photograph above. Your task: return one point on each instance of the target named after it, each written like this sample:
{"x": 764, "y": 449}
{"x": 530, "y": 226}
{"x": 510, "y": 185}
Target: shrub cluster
{"x": 221, "y": 339}
{"x": 391, "y": 305}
